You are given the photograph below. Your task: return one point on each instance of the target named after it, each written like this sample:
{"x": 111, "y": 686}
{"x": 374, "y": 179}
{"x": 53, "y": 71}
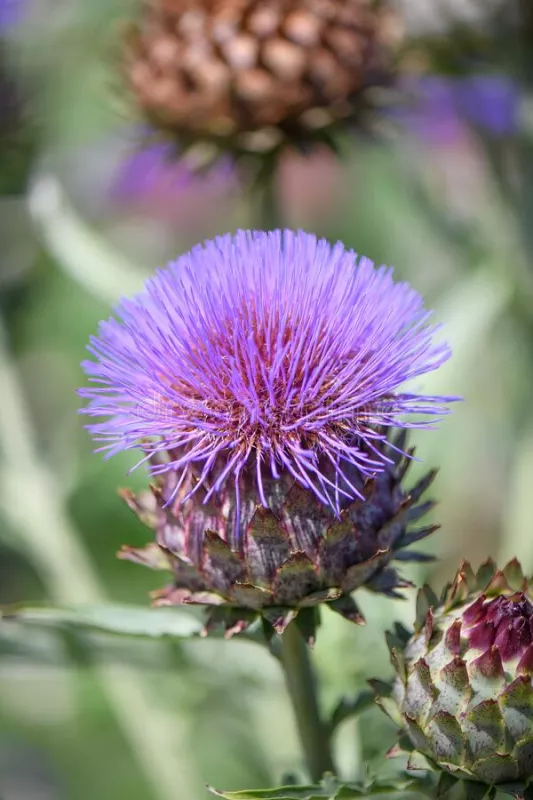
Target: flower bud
{"x": 464, "y": 692}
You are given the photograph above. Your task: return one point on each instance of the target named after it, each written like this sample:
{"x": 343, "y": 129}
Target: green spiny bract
{"x": 292, "y": 556}
{"x": 463, "y": 693}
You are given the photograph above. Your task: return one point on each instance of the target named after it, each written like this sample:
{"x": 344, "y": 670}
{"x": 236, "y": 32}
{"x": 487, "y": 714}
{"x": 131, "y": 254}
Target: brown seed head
{"x": 226, "y": 70}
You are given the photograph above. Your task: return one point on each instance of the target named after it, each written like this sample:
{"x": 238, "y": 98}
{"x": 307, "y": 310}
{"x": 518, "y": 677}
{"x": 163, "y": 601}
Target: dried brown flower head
{"x": 249, "y": 75}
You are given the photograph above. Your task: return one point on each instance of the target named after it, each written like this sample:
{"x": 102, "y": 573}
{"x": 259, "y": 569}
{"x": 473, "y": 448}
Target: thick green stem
{"x": 301, "y": 683}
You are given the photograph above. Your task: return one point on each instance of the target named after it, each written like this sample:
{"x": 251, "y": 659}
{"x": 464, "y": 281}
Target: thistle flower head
{"x": 260, "y": 354}
{"x": 261, "y": 374}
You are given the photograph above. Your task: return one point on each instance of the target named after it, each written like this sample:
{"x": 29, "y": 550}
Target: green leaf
{"x": 446, "y": 784}
{"x": 516, "y": 790}
{"x": 332, "y": 789}
{"x": 120, "y": 620}
{"x": 283, "y": 793}
{"x": 390, "y": 707}
{"x": 124, "y": 620}
{"x": 79, "y": 250}
{"x": 475, "y": 791}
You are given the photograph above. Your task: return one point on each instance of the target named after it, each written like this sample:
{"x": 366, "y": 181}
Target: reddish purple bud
{"x": 503, "y": 622}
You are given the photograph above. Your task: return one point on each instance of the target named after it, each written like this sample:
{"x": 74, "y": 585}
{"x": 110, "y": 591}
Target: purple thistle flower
{"x": 155, "y": 171}
{"x": 266, "y": 354}
{"x": 489, "y": 102}
{"x": 10, "y": 13}
{"x": 432, "y": 114}
{"x": 442, "y": 106}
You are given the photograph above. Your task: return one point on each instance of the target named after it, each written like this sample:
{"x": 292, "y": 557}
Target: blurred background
{"x": 442, "y": 190}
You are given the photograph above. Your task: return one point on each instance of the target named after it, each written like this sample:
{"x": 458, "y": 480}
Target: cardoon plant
{"x": 268, "y": 381}
{"x": 261, "y": 375}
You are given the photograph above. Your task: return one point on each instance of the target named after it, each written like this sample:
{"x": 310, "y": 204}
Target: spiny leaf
{"x": 283, "y": 793}
{"x": 331, "y": 789}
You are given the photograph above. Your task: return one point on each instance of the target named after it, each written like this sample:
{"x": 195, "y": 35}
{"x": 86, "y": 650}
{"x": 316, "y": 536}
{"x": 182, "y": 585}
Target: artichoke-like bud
{"x": 464, "y": 692}
{"x": 290, "y": 556}
{"x": 248, "y": 75}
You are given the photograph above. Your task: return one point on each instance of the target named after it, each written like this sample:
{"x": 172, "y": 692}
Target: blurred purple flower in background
{"x": 431, "y": 111}
{"x": 159, "y": 184}
{"x": 156, "y": 178}
{"x": 442, "y": 107}
{"x": 489, "y": 102}
{"x": 10, "y": 13}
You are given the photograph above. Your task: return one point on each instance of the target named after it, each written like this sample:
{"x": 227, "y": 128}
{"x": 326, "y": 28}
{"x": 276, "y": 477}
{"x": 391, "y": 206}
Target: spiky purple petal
{"x": 268, "y": 352}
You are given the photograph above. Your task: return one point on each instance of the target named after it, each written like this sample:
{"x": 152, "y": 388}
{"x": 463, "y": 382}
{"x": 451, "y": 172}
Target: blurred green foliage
{"x": 454, "y": 219}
